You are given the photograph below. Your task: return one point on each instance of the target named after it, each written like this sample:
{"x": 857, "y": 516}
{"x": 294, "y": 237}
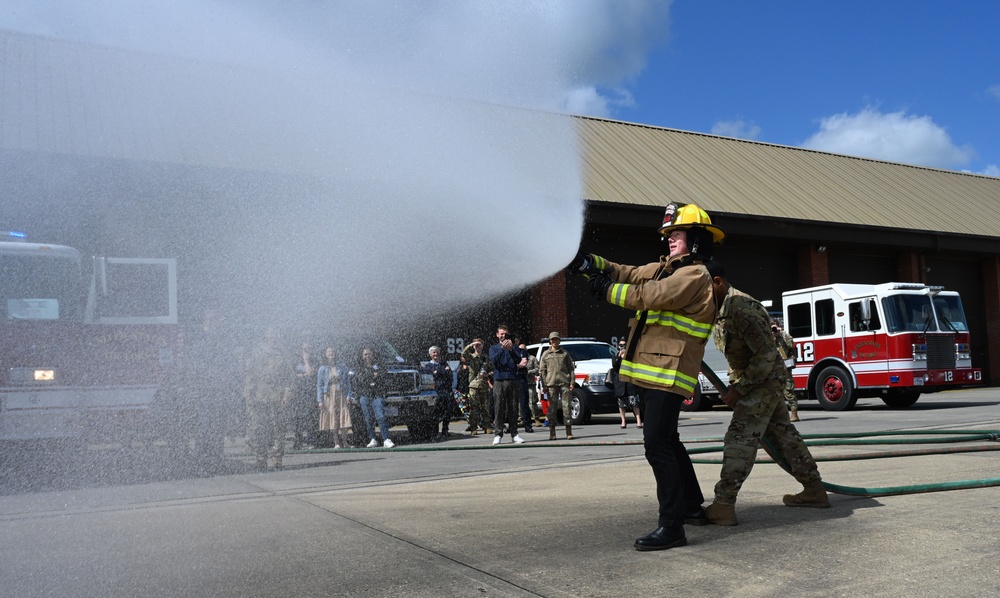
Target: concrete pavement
{"x": 521, "y": 521}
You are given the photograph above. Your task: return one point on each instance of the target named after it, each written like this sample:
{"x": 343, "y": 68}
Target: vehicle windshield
{"x": 585, "y": 351}
{"x": 917, "y": 313}
{"x": 40, "y": 287}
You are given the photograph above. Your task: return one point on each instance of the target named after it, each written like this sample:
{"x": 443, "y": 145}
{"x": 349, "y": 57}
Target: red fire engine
{"x": 81, "y": 360}
{"x": 893, "y": 341}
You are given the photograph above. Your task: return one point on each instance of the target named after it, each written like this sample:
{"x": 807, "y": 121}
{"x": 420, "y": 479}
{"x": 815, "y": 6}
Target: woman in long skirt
{"x": 332, "y": 390}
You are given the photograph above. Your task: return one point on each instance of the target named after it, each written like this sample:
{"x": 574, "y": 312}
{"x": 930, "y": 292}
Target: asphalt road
{"x": 463, "y": 518}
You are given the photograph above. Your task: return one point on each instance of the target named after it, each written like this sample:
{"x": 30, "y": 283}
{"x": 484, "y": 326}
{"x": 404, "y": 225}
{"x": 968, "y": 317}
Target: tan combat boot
{"x": 814, "y": 495}
{"x": 720, "y": 513}
{"x": 552, "y": 432}
{"x": 569, "y": 432}
{"x": 793, "y": 415}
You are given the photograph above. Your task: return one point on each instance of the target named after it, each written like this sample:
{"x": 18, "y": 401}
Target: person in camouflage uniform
{"x": 532, "y": 377}
{"x": 757, "y": 376}
{"x": 267, "y": 391}
{"x": 786, "y": 349}
{"x": 556, "y": 371}
{"x": 480, "y": 370}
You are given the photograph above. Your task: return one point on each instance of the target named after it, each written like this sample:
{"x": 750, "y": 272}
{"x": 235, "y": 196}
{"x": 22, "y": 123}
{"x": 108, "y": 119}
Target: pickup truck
{"x": 410, "y": 399}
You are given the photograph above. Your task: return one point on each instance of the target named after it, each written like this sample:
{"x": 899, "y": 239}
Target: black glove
{"x": 599, "y": 285}
{"x": 586, "y": 264}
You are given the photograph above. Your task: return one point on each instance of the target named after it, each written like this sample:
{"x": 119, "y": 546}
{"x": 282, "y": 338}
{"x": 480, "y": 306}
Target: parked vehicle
{"x": 84, "y": 346}
{"x": 593, "y": 361}
{"x": 706, "y": 395}
{"x": 410, "y": 399}
{"x": 893, "y": 341}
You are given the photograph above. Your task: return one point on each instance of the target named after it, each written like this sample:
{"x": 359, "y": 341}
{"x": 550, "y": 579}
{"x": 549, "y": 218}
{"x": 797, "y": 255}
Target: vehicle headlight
{"x": 427, "y": 381}
{"x": 595, "y": 379}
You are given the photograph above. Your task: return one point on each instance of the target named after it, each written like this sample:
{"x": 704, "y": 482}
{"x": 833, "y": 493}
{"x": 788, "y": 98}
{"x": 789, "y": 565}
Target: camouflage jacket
{"x": 743, "y": 334}
{"x": 556, "y": 368}
{"x": 786, "y": 347}
{"x": 480, "y": 368}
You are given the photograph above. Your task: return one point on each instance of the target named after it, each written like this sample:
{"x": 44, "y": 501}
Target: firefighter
{"x": 675, "y": 310}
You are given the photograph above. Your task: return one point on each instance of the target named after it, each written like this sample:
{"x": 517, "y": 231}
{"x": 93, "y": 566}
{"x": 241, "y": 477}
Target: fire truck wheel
{"x": 901, "y": 399}
{"x": 834, "y": 389}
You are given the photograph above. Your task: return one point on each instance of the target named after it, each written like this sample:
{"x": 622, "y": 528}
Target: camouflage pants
{"x": 761, "y": 414}
{"x": 555, "y": 394}
{"x": 266, "y": 429}
{"x": 478, "y": 406}
{"x": 790, "y": 400}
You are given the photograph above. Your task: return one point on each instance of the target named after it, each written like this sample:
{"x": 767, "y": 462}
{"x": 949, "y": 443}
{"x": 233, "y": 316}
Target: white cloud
{"x": 991, "y": 170}
{"x": 570, "y": 55}
{"x": 893, "y": 136}
{"x": 739, "y": 129}
{"x": 995, "y": 91}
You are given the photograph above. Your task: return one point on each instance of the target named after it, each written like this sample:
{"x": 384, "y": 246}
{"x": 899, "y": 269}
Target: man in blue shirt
{"x": 506, "y": 384}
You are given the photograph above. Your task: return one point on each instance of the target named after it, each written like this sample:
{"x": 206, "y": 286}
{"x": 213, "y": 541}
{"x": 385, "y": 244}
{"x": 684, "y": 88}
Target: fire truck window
{"x": 950, "y": 313}
{"x": 824, "y": 318}
{"x": 857, "y": 324}
{"x": 799, "y": 320}
{"x": 40, "y": 288}
{"x": 136, "y": 290}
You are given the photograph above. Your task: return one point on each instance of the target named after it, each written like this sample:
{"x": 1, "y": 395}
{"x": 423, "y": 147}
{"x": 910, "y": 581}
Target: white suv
{"x": 591, "y": 394}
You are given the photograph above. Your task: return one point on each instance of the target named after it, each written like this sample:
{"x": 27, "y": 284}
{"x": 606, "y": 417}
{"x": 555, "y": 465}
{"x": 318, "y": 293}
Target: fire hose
{"x": 859, "y": 438}
{"x": 862, "y": 438}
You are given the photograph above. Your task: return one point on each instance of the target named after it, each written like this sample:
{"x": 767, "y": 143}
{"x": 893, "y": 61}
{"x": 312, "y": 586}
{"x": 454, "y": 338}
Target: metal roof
{"x": 65, "y": 97}
{"x": 650, "y": 166}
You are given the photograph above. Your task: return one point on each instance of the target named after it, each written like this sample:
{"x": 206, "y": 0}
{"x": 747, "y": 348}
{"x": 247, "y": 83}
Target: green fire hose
{"x": 865, "y": 438}
{"x": 862, "y": 438}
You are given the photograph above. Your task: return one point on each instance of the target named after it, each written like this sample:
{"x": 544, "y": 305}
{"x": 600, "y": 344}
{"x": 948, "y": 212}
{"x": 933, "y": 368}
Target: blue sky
{"x": 913, "y": 81}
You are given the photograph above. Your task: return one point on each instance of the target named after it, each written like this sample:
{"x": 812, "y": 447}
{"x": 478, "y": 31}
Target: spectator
{"x": 757, "y": 376}
{"x": 267, "y": 390}
{"x": 462, "y": 389}
{"x": 522, "y": 377}
{"x": 333, "y": 386}
{"x": 556, "y": 370}
{"x": 304, "y": 410}
{"x": 531, "y": 370}
{"x": 443, "y": 378}
{"x": 367, "y": 387}
{"x": 505, "y": 360}
{"x": 625, "y": 392}
{"x": 480, "y": 369}
{"x": 208, "y": 369}
{"x": 786, "y": 348}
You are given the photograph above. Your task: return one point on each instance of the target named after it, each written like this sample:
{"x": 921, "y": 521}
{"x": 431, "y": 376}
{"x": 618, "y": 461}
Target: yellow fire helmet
{"x": 687, "y": 216}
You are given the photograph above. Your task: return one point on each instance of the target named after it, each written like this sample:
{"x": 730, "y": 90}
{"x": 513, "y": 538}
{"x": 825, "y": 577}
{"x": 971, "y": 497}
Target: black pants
{"x": 505, "y": 406}
{"x": 523, "y": 402}
{"x": 444, "y": 409}
{"x": 677, "y": 488}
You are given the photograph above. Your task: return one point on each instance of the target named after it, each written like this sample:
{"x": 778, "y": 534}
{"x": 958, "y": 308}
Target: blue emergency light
{"x": 15, "y": 234}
